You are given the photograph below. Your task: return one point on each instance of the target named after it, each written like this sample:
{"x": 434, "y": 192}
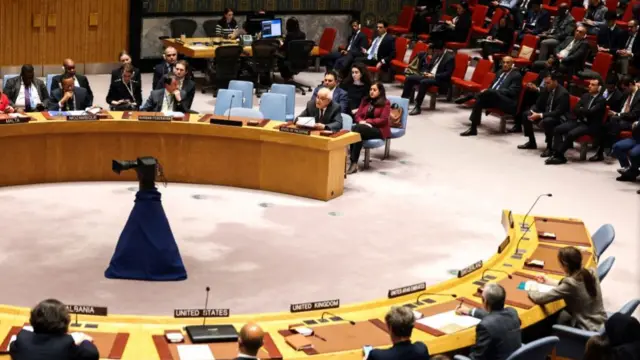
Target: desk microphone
{"x": 496, "y": 270}
{"x": 230, "y": 104}
{"x": 433, "y": 294}
{"x": 206, "y": 303}
{"x": 328, "y": 313}
{"x": 524, "y": 221}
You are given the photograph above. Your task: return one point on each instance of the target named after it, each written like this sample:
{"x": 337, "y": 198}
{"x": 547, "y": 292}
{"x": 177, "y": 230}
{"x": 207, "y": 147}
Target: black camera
{"x": 146, "y": 168}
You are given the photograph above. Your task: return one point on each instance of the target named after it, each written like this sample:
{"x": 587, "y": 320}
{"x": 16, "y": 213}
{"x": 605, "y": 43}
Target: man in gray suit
{"x": 167, "y": 98}
{"x": 325, "y": 111}
{"x": 498, "y": 333}
{"x": 26, "y": 91}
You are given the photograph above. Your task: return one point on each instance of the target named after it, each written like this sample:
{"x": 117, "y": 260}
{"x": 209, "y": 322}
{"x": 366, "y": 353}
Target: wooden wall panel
{"x": 21, "y": 42}
{"x": 107, "y": 39}
{"x": 68, "y": 37}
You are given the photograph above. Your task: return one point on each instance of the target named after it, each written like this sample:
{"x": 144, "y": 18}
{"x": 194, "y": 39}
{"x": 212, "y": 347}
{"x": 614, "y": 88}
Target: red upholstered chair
{"x": 472, "y": 5}
{"x": 475, "y": 84}
{"x": 627, "y": 16}
{"x": 585, "y": 140}
{"x": 325, "y": 45}
{"x": 486, "y": 82}
{"x": 477, "y": 19}
{"x": 497, "y": 57}
{"x": 401, "y": 50}
{"x": 578, "y": 13}
{"x": 601, "y": 65}
{"x": 461, "y": 64}
{"x": 553, "y": 10}
{"x": 405, "y": 18}
{"x": 530, "y": 41}
{"x": 368, "y": 33}
{"x": 527, "y": 78}
{"x": 400, "y": 65}
{"x": 484, "y": 31}
{"x": 612, "y": 5}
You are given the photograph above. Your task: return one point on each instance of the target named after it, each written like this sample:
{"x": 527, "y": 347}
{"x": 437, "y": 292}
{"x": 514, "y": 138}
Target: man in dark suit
{"x": 529, "y": 98}
{"x": 563, "y": 26}
{"x": 611, "y": 38}
{"x": 181, "y": 72}
{"x": 357, "y": 45}
{"x": 26, "y": 91}
{"x": 69, "y": 97}
{"x": 434, "y": 72}
{"x": 325, "y": 111}
{"x": 170, "y": 57}
{"x": 382, "y": 50}
{"x": 588, "y": 116}
{"x": 630, "y": 52}
{"x": 537, "y": 20}
{"x": 498, "y": 333}
{"x": 550, "y": 109}
{"x": 79, "y": 80}
{"x": 502, "y": 94}
{"x": 250, "y": 340}
{"x": 570, "y": 55}
{"x": 338, "y": 96}
{"x": 400, "y": 321}
{"x": 166, "y": 99}
{"x": 424, "y": 9}
{"x": 612, "y": 95}
{"x": 49, "y": 339}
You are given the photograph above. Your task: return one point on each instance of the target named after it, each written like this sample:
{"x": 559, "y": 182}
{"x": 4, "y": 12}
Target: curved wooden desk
{"x": 344, "y": 340}
{"x": 263, "y": 158}
{"x": 191, "y": 49}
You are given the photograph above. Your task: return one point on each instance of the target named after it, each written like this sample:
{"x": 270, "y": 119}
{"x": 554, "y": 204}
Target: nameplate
{"x": 154, "y": 118}
{"x": 87, "y": 310}
{"x": 469, "y": 269}
{"x": 200, "y": 313}
{"x": 225, "y": 122}
{"x": 394, "y": 293}
{"x": 82, "y": 117}
{"x": 504, "y": 244}
{"x": 18, "y": 120}
{"x": 316, "y": 305}
{"x": 295, "y": 130}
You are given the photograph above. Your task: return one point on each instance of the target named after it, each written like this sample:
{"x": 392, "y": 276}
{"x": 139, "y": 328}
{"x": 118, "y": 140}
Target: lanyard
{"x": 130, "y": 90}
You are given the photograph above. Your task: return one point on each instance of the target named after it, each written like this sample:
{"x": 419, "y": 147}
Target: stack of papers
{"x": 306, "y": 121}
{"x": 535, "y": 286}
{"x": 175, "y": 114}
{"x": 195, "y": 352}
{"x": 449, "y": 322}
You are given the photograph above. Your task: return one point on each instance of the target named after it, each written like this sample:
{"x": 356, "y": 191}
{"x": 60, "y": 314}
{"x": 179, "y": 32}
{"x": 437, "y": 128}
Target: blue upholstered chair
{"x": 535, "y": 350}
{"x": 273, "y": 106}
{"x": 290, "y": 92}
{"x": 227, "y": 99}
{"x": 247, "y": 91}
{"x": 347, "y": 122}
{"x": 573, "y": 341}
{"x": 604, "y": 267}
{"x": 395, "y": 132}
{"x": 602, "y": 238}
{"x": 244, "y": 112}
{"x": 7, "y": 77}
{"x": 50, "y": 82}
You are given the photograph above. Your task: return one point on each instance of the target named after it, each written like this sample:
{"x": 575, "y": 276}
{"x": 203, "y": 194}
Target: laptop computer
{"x": 212, "y": 333}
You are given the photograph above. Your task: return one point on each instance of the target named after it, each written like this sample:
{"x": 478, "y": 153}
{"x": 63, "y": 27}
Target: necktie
{"x": 591, "y": 102}
{"x": 353, "y": 38}
{"x": 321, "y": 116}
{"x": 27, "y": 97}
{"x": 374, "y": 48}
{"x": 434, "y": 62}
{"x": 550, "y": 101}
{"x": 630, "y": 41}
{"x": 499, "y": 82}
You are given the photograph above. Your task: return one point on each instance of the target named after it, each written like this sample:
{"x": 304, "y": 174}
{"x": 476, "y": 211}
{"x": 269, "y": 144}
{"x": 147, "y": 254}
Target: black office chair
{"x": 182, "y": 26}
{"x": 209, "y": 27}
{"x": 298, "y": 56}
{"x": 263, "y": 60}
{"x": 225, "y": 68}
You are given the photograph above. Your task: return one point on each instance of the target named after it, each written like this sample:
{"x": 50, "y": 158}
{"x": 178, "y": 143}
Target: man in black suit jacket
{"x": 502, "y": 94}
{"x": 181, "y": 72}
{"x": 400, "y": 321}
{"x": 382, "y": 49}
{"x": 170, "y": 58}
{"x": 612, "y": 95}
{"x": 611, "y": 38}
{"x": 79, "y": 80}
{"x": 357, "y": 45}
{"x": 570, "y": 55}
{"x": 326, "y": 112}
{"x": 166, "y": 99}
{"x": 26, "y": 85}
{"x": 69, "y": 97}
{"x": 434, "y": 72}
{"x": 250, "y": 340}
{"x": 551, "y": 109}
{"x": 588, "y": 117}
{"x": 498, "y": 333}
{"x": 537, "y": 20}
{"x": 630, "y": 52}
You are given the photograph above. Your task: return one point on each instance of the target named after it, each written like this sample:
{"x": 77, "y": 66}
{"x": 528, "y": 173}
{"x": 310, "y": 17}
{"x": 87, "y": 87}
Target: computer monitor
{"x": 271, "y": 28}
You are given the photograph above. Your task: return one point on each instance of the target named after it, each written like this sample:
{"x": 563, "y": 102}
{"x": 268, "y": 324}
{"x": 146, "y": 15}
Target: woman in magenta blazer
{"x": 371, "y": 122}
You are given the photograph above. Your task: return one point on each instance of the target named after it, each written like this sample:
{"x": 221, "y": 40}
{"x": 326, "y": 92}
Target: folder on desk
{"x": 195, "y": 352}
{"x": 298, "y": 342}
{"x": 306, "y": 121}
{"x": 449, "y": 322}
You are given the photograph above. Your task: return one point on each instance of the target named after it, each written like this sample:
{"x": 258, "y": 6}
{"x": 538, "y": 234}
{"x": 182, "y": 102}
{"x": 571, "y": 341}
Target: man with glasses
{"x": 338, "y": 95}
{"x": 631, "y": 50}
{"x": 325, "y": 112}
{"x": 382, "y": 50}
{"x": 170, "y": 57}
{"x": 569, "y": 57}
{"x": 69, "y": 97}
{"x": 181, "y": 72}
{"x": 79, "y": 80}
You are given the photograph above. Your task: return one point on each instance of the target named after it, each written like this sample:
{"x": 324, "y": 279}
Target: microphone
{"x": 328, "y": 313}
{"x": 206, "y": 303}
{"x": 433, "y": 294}
{"x": 496, "y": 270}
{"x": 230, "y": 102}
{"x": 524, "y": 221}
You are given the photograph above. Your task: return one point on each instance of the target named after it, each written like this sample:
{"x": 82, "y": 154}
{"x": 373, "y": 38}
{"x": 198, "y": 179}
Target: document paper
{"x": 449, "y": 322}
{"x": 536, "y": 286}
{"x": 195, "y": 352}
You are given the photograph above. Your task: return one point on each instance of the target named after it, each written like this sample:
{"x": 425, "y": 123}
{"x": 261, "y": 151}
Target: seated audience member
{"x": 587, "y": 119}
{"x": 4, "y": 103}
{"x": 570, "y": 55}
{"x": 227, "y": 26}
{"x": 170, "y": 58}
{"x": 26, "y": 91}
{"x": 499, "y": 40}
{"x": 580, "y": 290}
{"x": 125, "y": 93}
{"x": 69, "y": 97}
{"x": 50, "y": 339}
{"x": 185, "y": 83}
{"x": 250, "y": 340}
{"x": 371, "y": 121}
{"x": 357, "y": 85}
{"x": 498, "y": 333}
{"x": 529, "y": 98}
{"x": 550, "y": 110}
{"x": 424, "y": 9}
{"x": 502, "y": 94}
{"x": 324, "y": 110}
{"x": 630, "y": 53}
{"x": 620, "y": 120}
{"x": 623, "y": 337}
{"x": 456, "y": 30}
{"x": 293, "y": 33}
{"x": 610, "y": 38}
{"x": 594, "y": 18}
{"x": 400, "y": 321}
{"x": 169, "y": 98}
{"x": 78, "y": 80}
{"x": 124, "y": 59}
{"x": 537, "y": 20}
{"x": 338, "y": 95}
{"x": 429, "y": 72}
{"x": 628, "y": 153}
{"x": 356, "y": 46}
{"x": 612, "y": 95}
{"x": 382, "y": 49}
{"x": 597, "y": 348}
{"x": 563, "y": 26}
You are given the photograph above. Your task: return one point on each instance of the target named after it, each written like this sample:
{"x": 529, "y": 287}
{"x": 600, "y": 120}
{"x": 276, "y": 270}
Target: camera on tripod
{"x": 146, "y": 168}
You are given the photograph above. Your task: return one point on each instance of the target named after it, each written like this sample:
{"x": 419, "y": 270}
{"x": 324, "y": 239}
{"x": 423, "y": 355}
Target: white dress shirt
{"x": 35, "y": 97}
{"x": 630, "y": 44}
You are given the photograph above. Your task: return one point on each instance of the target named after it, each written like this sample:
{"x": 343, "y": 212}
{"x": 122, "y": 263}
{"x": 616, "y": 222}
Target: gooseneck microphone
{"x": 328, "y": 313}
{"x": 206, "y": 303}
{"x": 495, "y": 270}
{"x": 524, "y": 221}
{"x": 433, "y": 294}
{"x": 230, "y": 104}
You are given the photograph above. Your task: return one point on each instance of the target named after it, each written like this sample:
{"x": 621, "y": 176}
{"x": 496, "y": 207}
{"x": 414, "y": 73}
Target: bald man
{"x": 502, "y": 94}
{"x": 69, "y": 67}
{"x": 250, "y": 341}
{"x": 170, "y": 58}
{"x": 324, "y": 110}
